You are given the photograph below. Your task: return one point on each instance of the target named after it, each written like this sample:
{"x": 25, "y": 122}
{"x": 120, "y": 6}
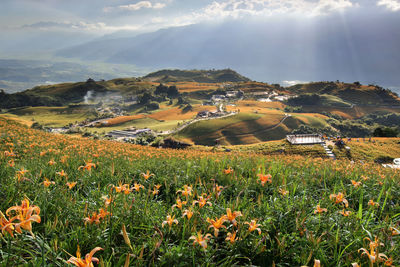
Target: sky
{"x": 48, "y": 26}
{"x": 101, "y": 17}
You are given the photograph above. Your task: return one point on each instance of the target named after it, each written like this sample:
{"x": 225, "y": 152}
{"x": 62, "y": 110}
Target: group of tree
{"x": 169, "y": 91}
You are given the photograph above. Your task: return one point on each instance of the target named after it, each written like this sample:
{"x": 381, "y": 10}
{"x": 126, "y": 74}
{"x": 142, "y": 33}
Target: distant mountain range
{"x": 359, "y": 49}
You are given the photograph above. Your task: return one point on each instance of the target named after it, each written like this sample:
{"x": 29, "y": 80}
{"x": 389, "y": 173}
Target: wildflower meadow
{"x": 77, "y": 201}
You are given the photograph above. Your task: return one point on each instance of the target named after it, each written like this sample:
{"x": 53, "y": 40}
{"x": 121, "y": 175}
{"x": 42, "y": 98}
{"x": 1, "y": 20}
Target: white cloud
{"x": 81, "y": 26}
{"x": 239, "y": 8}
{"x": 137, "y": 6}
{"x": 393, "y": 5}
{"x": 291, "y": 83}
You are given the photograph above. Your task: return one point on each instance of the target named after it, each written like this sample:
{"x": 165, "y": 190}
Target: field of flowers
{"x": 124, "y": 205}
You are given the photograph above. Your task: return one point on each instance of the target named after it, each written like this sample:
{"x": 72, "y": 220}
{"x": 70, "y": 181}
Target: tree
{"x": 145, "y": 98}
{"x": 172, "y": 91}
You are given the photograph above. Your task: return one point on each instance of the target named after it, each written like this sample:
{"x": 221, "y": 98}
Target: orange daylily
{"x": 71, "y": 184}
{"x": 345, "y": 213}
{"x": 95, "y": 218}
{"x": 51, "y": 162}
{"x": 264, "y": 178}
{"x": 283, "y": 191}
{"x": 373, "y": 254}
{"x": 11, "y": 163}
{"x": 231, "y": 216}
{"x": 319, "y": 210}
{"x": 216, "y": 224}
{"x": 253, "y": 225}
{"x": 47, "y": 182}
{"x": 107, "y": 200}
{"x": 372, "y": 203}
{"x": 228, "y": 171}
{"x": 202, "y": 201}
{"x": 25, "y": 214}
{"x": 218, "y": 189}
{"x": 156, "y": 189}
{"x": 87, "y": 262}
{"x": 339, "y": 198}
{"x": 231, "y": 237}
{"x": 170, "y": 220}
{"x": 137, "y": 187}
{"x": 188, "y": 213}
{"x": 200, "y": 239}
{"x": 6, "y": 225}
{"x": 187, "y": 191}
{"x": 179, "y": 204}
{"x": 89, "y": 165}
{"x": 147, "y": 175}
{"x": 62, "y": 173}
{"x": 355, "y": 184}
{"x": 21, "y": 174}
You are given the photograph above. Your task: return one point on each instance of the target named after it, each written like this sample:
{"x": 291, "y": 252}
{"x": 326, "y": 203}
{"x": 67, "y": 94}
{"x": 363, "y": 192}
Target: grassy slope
{"x": 290, "y": 233}
{"x": 247, "y": 128}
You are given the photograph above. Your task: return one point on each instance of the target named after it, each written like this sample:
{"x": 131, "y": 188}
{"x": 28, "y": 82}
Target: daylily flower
{"x": 6, "y": 225}
{"x": 179, "y": 204}
{"x": 228, "y": 171}
{"x": 147, "y": 175}
{"x": 11, "y": 163}
{"x": 317, "y": 263}
{"x": 231, "y": 216}
{"x": 71, "y": 184}
{"x": 21, "y": 175}
{"x": 187, "y": 191}
{"x": 103, "y": 213}
{"x": 264, "y": 178}
{"x": 253, "y": 226}
{"x": 62, "y": 173}
{"x": 216, "y": 224}
{"x": 137, "y": 187}
{"x": 89, "y": 165}
{"x": 9, "y": 153}
{"x": 339, "y": 198}
{"x": 122, "y": 187}
{"x": 319, "y": 210}
{"x": 95, "y": 218}
{"x": 47, "y": 182}
{"x": 345, "y": 213}
{"x": 200, "y": 239}
{"x": 218, "y": 190}
{"x": 373, "y": 254}
{"x": 188, "y": 213}
{"x": 170, "y": 220}
{"x": 355, "y": 184}
{"x": 156, "y": 189}
{"x": 231, "y": 237}
{"x": 372, "y": 203}
{"x": 283, "y": 192}
{"x": 107, "y": 200}
{"x": 25, "y": 214}
{"x": 202, "y": 201}
{"x": 51, "y": 162}
{"x": 394, "y": 231}
{"x": 87, "y": 262}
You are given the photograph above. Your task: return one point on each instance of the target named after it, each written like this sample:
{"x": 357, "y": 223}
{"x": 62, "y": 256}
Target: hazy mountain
{"x": 17, "y": 75}
{"x": 361, "y": 48}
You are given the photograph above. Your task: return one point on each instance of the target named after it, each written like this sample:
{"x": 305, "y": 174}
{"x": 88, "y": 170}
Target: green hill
{"x": 201, "y": 76}
{"x": 352, "y": 92}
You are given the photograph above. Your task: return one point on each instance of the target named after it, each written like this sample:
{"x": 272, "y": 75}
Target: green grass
{"x": 291, "y": 233}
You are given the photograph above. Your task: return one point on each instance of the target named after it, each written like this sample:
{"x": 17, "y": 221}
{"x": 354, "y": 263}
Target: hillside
{"x": 355, "y": 93}
{"x": 148, "y": 206}
{"x": 200, "y": 76}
